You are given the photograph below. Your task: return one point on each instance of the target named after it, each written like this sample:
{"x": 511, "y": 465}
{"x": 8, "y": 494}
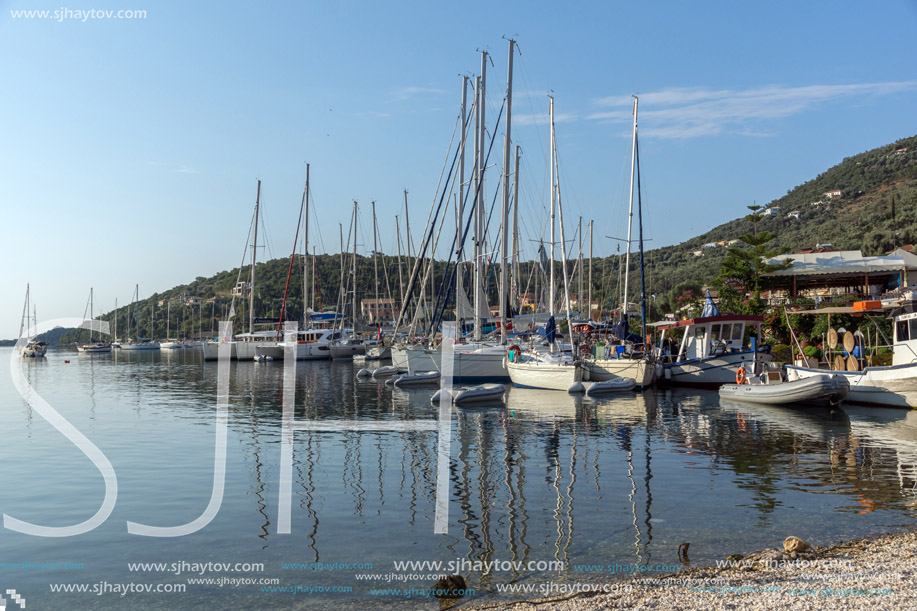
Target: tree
{"x": 744, "y": 267}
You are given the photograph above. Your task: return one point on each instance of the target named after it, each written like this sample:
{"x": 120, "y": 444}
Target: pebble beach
{"x": 873, "y": 573}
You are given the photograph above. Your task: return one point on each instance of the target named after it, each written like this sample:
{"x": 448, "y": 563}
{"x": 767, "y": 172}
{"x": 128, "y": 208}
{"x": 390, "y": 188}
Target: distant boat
{"x": 94, "y": 346}
{"x": 139, "y": 343}
{"x": 31, "y": 348}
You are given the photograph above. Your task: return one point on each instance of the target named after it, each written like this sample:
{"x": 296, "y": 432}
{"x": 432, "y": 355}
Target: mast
{"x": 374, "y": 314}
{"x": 168, "y": 314}
{"x": 553, "y": 205}
{"x": 479, "y": 298}
{"x": 504, "y": 250}
{"x": 24, "y": 322}
{"x": 640, "y": 225}
{"x": 400, "y": 275}
{"x": 589, "y": 288}
{"x": 579, "y": 269}
{"x": 515, "y": 280}
{"x": 251, "y": 295}
{"x": 460, "y": 207}
{"x": 342, "y": 292}
{"x": 90, "y": 315}
{"x": 630, "y": 214}
{"x": 354, "y": 267}
{"x": 307, "y": 319}
{"x": 563, "y": 257}
{"x": 115, "y": 334}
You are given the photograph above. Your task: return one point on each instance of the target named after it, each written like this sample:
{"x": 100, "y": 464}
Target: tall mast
{"x": 168, "y": 314}
{"x": 630, "y": 214}
{"x": 479, "y": 297}
{"x": 589, "y": 288}
{"x": 342, "y": 292}
{"x": 553, "y": 205}
{"x": 115, "y": 334}
{"x": 398, "y": 246}
{"x": 504, "y": 250}
{"x": 251, "y": 295}
{"x": 579, "y": 269}
{"x": 515, "y": 281}
{"x": 307, "y": 320}
{"x": 354, "y": 267}
{"x": 563, "y": 256}
{"x": 375, "y": 311}
{"x": 90, "y": 315}
{"x": 460, "y": 204}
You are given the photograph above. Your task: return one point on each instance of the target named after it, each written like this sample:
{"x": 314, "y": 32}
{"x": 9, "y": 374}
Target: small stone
{"x": 452, "y": 586}
{"x": 795, "y": 544}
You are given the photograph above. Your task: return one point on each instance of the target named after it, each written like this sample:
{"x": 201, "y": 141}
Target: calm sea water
{"x": 551, "y": 487}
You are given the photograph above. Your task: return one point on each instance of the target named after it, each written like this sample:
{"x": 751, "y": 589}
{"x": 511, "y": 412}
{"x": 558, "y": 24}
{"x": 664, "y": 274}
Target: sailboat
{"x": 346, "y": 345}
{"x": 551, "y": 370}
{"x": 28, "y": 346}
{"x": 244, "y": 346}
{"x": 98, "y": 345}
{"x": 639, "y": 366}
{"x": 170, "y": 343}
{"x": 140, "y": 343}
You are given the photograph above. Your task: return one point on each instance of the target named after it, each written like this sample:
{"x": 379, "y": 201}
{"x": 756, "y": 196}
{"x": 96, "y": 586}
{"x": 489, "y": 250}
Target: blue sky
{"x": 129, "y": 148}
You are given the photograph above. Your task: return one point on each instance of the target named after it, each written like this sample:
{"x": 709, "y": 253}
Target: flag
{"x": 542, "y": 258}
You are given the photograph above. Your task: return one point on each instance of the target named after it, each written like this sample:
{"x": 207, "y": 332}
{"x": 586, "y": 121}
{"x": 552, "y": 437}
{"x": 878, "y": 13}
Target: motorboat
{"x": 771, "y": 388}
{"x": 610, "y": 386}
{"x": 421, "y": 377}
{"x": 484, "y": 393}
{"x": 711, "y": 351}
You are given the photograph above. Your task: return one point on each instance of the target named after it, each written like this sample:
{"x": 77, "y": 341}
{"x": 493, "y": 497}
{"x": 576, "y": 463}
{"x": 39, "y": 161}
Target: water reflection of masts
{"x": 514, "y": 460}
{"x": 259, "y": 487}
{"x": 650, "y": 405}
{"x": 468, "y": 517}
{"x": 486, "y": 488}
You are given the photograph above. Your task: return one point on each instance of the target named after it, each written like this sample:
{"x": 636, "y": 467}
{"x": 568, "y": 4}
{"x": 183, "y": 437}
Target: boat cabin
{"x": 905, "y": 340}
{"x": 708, "y": 337}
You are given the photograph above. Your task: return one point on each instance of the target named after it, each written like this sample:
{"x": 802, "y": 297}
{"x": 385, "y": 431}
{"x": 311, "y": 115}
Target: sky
{"x": 130, "y": 148}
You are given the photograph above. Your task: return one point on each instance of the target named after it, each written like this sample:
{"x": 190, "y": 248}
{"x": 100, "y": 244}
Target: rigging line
{"x": 467, "y": 225}
{"x": 286, "y": 290}
{"x": 251, "y": 227}
{"x": 428, "y": 234}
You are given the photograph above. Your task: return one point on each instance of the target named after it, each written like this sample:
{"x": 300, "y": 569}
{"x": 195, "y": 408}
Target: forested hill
{"x": 875, "y": 210}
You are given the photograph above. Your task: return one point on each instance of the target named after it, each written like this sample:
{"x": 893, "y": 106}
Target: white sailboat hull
{"x": 894, "y": 386}
{"x": 602, "y": 370}
{"x": 547, "y": 376}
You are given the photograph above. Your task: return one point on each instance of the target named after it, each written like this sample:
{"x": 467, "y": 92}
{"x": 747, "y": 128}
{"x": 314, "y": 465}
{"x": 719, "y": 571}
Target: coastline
{"x": 876, "y": 572}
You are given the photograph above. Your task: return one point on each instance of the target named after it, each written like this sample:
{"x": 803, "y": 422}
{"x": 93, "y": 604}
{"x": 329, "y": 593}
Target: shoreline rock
{"x": 870, "y": 573}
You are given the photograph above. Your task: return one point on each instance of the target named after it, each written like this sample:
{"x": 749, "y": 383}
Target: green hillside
{"x": 875, "y": 211}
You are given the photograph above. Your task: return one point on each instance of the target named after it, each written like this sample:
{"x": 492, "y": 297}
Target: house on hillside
{"x": 710, "y": 245}
{"x": 772, "y": 211}
{"x": 818, "y": 203}
{"x": 793, "y": 215}
{"x": 832, "y": 194}
{"x": 697, "y": 253}
{"x": 901, "y": 151}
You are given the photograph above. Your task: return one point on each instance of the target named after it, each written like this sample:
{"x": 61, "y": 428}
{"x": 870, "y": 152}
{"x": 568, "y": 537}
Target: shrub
{"x": 782, "y": 353}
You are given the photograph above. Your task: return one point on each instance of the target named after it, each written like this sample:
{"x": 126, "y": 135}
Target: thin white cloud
{"x": 694, "y": 112}
{"x": 405, "y": 93}
{"x": 183, "y": 169}
{"x": 542, "y": 119}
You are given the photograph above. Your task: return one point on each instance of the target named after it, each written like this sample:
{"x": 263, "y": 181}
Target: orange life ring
{"x": 514, "y": 349}
{"x": 740, "y": 375}
{"x": 585, "y": 349}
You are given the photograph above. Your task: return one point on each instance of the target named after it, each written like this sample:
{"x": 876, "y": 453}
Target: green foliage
{"x": 782, "y": 353}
